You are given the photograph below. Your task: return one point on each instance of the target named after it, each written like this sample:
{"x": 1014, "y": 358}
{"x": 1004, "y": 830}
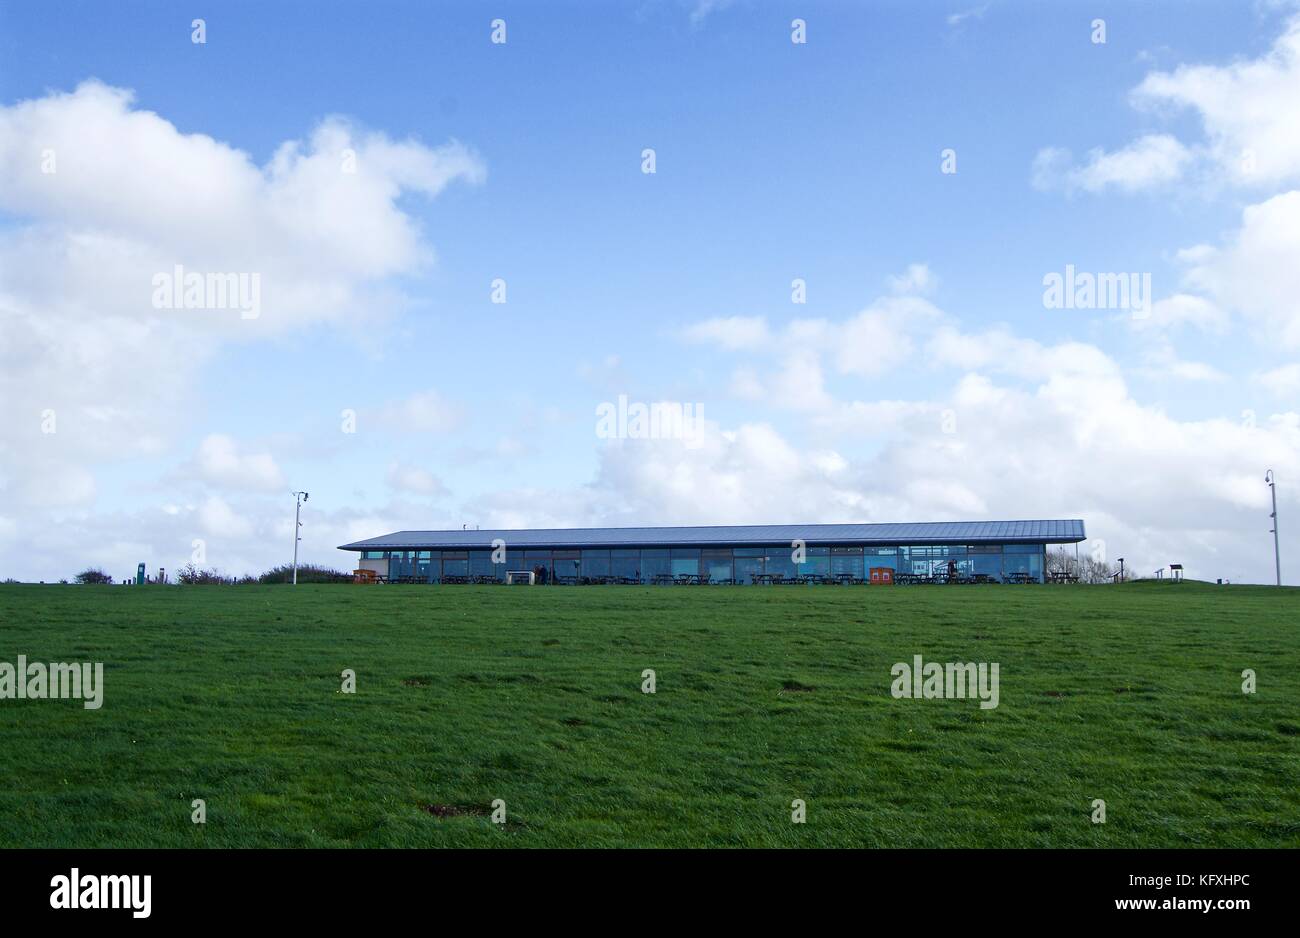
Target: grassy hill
{"x": 1130, "y": 694}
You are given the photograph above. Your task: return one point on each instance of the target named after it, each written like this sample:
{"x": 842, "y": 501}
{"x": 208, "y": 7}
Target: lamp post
{"x": 298, "y": 499}
{"x": 1121, "y": 569}
{"x": 1277, "y": 552}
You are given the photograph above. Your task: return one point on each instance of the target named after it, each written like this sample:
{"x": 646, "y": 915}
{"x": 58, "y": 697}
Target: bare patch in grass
{"x": 455, "y": 810}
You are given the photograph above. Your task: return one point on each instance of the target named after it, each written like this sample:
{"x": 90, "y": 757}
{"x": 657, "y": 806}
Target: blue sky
{"x": 775, "y": 161}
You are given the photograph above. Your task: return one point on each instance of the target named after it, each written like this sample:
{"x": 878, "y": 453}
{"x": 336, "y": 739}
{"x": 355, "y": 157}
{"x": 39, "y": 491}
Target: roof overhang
{"x": 1068, "y": 531}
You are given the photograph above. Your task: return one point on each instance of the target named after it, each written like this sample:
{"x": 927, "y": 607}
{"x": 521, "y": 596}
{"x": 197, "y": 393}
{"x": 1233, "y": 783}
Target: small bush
{"x": 92, "y": 575}
{"x": 191, "y": 575}
{"x": 307, "y": 573}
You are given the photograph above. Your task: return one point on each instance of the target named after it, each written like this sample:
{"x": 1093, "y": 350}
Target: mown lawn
{"x": 1130, "y": 694}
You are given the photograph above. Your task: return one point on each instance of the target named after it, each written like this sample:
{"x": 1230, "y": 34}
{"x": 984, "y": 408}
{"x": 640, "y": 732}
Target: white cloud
{"x": 217, "y": 518}
{"x": 220, "y": 462}
{"x": 1179, "y": 310}
{"x": 1162, "y": 362}
{"x": 1284, "y": 381}
{"x": 1256, "y": 272}
{"x": 130, "y": 196}
{"x": 422, "y": 412}
{"x": 415, "y": 480}
{"x": 1149, "y": 161}
{"x": 881, "y": 337}
{"x": 734, "y": 332}
{"x": 702, "y": 9}
{"x": 870, "y": 343}
{"x": 1250, "y": 117}
{"x": 976, "y": 13}
{"x": 916, "y": 279}
{"x": 1249, "y": 110}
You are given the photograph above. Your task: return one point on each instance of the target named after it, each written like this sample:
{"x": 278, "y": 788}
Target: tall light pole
{"x": 1277, "y": 553}
{"x": 298, "y": 499}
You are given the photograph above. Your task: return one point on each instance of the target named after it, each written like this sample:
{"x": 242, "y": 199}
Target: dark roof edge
{"x": 460, "y": 539}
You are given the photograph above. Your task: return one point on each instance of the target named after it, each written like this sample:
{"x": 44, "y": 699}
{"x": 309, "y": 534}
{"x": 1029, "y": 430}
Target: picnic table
{"x": 691, "y": 579}
{"x": 763, "y": 579}
{"x": 662, "y": 579}
{"x": 1021, "y": 576}
{"x": 910, "y": 579}
{"x": 1061, "y": 576}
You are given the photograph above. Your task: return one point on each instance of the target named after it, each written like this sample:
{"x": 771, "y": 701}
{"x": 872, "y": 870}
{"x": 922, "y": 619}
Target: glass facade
{"x": 594, "y": 562}
{"x": 748, "y": 562}
{"x": 847, "y": 560}
{"x": 715, "y": 563}
{"x": 625, "y": 563}
{"x": 997, "y": 561}
{"x": 685, "y": 560}
{"x": 655, "y": 562}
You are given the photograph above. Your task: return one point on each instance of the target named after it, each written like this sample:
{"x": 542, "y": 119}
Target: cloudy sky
{"x": 842, "y": 256}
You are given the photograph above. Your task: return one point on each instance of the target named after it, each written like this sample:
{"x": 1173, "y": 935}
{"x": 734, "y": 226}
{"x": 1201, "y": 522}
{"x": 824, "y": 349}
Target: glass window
{"x": 399, "y": 564}
{"x": 817, "y": 561}
{"x": 425, "y": 561}
{"x": 594, "y": 563}
{"x": 625, "y": 563}
{"x": 455, "y": 563}
{"x": 747, "y": 564}
{"x": 716, "y": 563}
{"x": 987, "y": 561}
{"x": 532, "y": 559}
{"x": 886, "y": 557}
{"x": 1021, "y": 561}
{"x": 685, "y": 560}
{"x": 567, "y": 563}
{"x": 480, "y": 563}
{"x": 847, "y": 560}
{"x": 780, "y": 562}
{"x": 655, "y": 562}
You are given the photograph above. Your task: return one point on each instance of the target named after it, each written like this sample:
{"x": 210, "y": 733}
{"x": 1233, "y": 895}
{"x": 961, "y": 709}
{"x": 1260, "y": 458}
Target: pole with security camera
{"x": 1277, "y": 552}
{"x": 299, "y": 498}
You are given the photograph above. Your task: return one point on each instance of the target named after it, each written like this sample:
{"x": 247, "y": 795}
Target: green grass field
{"x": 1129, "y": 694}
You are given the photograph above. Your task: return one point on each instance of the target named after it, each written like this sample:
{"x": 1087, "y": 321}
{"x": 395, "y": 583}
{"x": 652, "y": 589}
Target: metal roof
{"x": 755, "y": 535}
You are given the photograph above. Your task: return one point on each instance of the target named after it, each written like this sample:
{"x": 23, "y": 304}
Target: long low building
{"x": 994, "y": 549}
